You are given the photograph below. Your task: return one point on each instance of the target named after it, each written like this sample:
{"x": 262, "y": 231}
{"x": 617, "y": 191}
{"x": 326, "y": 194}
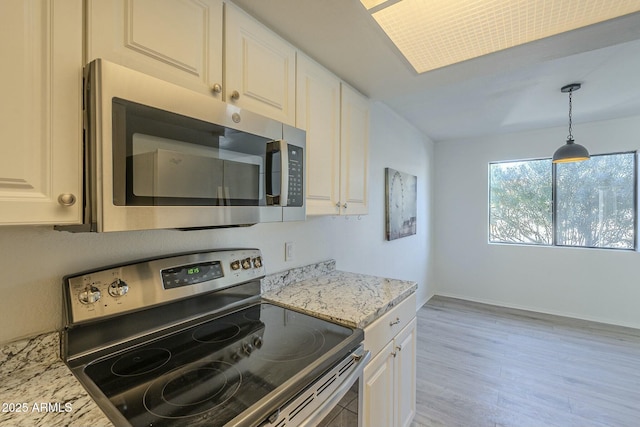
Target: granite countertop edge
{"x": 362, "y": 298}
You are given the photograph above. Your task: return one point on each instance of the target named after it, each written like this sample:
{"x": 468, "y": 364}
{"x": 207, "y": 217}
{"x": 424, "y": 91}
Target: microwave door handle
{"x": 284, "y": 172}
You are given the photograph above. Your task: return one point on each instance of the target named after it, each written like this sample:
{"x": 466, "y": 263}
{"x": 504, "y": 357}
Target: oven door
{"x": 345, "y": 411}
{"x": 334, "y": 400}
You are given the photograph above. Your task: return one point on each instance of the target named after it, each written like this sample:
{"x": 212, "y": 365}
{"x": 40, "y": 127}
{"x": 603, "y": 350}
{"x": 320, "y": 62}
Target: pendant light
{"x": 570, "y": 152}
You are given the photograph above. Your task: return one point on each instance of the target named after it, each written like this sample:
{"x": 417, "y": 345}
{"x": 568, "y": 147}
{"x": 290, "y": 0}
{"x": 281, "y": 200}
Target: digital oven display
{"x": 191, "y": 274}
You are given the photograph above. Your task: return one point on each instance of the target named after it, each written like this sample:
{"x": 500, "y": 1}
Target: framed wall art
{"x": 400, "y": 204}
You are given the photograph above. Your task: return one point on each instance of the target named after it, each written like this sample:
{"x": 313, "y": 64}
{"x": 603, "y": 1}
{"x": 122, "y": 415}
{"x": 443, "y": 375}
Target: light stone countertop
{"x": 351, "y": 299}
{"x": 37, "y": 388}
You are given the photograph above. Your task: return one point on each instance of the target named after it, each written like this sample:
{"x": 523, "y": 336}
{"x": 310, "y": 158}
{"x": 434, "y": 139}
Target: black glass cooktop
{"x": 210, "y": 373}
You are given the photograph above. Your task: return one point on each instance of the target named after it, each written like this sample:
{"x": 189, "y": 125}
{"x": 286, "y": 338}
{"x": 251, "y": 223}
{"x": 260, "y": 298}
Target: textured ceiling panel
{"x": 369, "y": 4}
{"x": 435, "y": 33}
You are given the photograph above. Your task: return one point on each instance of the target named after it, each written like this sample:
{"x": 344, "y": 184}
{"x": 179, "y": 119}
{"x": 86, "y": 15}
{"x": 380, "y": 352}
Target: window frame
{"x": 554, "y": 206}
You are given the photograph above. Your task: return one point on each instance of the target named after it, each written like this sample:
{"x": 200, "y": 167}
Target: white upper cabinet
{"x": 336, "y": 119}
{"x": 179, "y": 41}
{"x": 318, "y": 112}
{"x": 41, "y": 112}
{"x": 260, "y": 68}
{"x": 354, "y": 153}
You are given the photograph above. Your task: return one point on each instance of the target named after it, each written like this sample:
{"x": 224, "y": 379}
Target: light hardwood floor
{"x": 480, "y": 365}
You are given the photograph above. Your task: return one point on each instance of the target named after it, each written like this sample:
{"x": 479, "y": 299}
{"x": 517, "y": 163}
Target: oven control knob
{"x": 118, "y": 288}
{"x": 247, "y": 348}
{"x": 257, "y": 342}
{"x": 90, "y": 295}
{"x": 246, "y": 263}
{"x": 257, "y": 262}
{"x": 235, "y": 265}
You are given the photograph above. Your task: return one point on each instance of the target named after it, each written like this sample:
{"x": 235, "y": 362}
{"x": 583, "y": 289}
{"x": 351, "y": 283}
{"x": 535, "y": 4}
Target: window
{"x": 595, "y": 202}
{"x": 520, "y": 202}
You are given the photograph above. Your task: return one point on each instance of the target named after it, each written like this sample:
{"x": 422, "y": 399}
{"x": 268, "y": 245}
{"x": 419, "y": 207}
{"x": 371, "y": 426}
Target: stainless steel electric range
{"x": 185, "y": 340}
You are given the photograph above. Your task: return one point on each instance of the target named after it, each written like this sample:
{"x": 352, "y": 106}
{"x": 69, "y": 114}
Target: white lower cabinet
{"x": 379, "y": 387}
{"x": 405, "y": 375}
{"x": 390, "y": 377}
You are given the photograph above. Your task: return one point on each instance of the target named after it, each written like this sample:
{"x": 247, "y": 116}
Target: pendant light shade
{"x": 570, "y": 152}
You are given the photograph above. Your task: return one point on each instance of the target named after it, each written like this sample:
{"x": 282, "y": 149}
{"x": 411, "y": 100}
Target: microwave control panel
{"x": 296, "y": 175}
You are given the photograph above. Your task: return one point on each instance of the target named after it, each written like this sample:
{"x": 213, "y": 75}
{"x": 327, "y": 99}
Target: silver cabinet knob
{"x": 235, "y": 95}
{"x": 216, "y": 88}
{"x": 67, "y": 199}
{"x": 344, "y": 206}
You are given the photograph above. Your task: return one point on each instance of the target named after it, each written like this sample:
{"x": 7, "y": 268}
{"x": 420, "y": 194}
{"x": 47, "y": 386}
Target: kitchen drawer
{"x": 383, "y": 330}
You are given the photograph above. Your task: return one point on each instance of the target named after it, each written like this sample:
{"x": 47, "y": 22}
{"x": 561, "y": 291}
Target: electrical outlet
{"x": 288, "y": 251}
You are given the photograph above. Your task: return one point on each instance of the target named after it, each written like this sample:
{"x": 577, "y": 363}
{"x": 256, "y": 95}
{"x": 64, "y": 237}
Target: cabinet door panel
{"x": 260, "y": 85}
{"x": 178, "y": 41}
{"x": 355, "y": 152}
{"x": 260, "y": 66}
{"x": 378, "y": 406}
{"x": 318, "y": 112}
{"x": 40, "y": 116}
{"x": 406, "y": 375}
{"x": 146, "y": 30}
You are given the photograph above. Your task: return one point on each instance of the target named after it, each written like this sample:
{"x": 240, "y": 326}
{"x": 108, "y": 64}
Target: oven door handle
{"x": 313, "y": 420}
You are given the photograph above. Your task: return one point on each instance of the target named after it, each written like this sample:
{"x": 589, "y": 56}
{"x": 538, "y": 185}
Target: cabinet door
{"x": 178, "y": 41}
{"x": 318, "y": 112}
{"x": 378, "y": 405}
{"x": 41, "y": 112}
{"x": 259, "y": 68}
{"x": 354, "y": 143}
{"x": 405, "y": 378}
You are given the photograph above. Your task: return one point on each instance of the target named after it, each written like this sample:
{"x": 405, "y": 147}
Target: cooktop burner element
{"x": 216, "y": 332}
{"x": 193, "y": 390}
{"x": 140, "y": 362}
{"x": 300, "y": 343}
{"x": 156, "y": 356}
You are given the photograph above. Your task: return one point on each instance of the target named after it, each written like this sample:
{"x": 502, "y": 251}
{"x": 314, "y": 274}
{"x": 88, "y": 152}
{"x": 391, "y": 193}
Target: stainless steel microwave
{"x": 161, "y": 156}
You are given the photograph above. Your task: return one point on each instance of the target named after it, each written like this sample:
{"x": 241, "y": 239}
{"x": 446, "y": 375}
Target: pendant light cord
{"x": 570, "y": 137}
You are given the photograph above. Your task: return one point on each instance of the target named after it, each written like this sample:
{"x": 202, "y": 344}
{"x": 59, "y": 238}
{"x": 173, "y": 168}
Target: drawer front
{"x": 383, "y": 330}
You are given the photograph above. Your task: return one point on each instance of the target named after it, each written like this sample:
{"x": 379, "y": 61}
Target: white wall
{"x": 601, "y": 285}
{"x": 34, "y": 259}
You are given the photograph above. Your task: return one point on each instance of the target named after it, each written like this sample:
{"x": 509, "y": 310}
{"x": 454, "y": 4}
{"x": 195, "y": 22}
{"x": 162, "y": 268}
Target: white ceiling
{"x": 511, "y": 90}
